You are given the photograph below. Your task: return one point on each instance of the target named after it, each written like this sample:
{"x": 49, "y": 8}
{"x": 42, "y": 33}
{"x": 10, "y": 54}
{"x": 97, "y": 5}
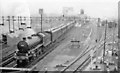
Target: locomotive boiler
{"x": 29, "y": 42}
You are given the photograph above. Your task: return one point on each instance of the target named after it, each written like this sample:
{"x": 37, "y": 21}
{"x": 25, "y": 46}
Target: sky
{"x": 94, "y": 8}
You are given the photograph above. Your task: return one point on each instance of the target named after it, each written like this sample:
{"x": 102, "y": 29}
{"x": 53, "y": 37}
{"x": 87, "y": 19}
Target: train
{"x": 111, "y": 24}
{"x": 32, "y": 46}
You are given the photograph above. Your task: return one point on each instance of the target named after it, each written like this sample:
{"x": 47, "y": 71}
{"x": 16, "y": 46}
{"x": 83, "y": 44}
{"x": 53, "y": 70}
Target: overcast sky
{"x": 94, "y": 8}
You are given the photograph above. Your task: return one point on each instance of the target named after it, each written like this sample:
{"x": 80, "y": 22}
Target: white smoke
{"x": 28, "y": 32}
{"x": 23, "y": 10}
{"x": 15, "y": 8}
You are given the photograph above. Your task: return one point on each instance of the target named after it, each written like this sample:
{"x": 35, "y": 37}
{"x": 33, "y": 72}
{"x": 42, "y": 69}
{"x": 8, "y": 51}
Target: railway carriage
{"x": 46, "y": 39}
{"x": 64, "y": 29}
{"x": 70, "y": 25}
{"x": 56, "y": 34}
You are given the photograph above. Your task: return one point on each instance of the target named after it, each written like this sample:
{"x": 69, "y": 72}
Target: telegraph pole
{"x": 114, "y": 26}
{"x": 97, "y": 39}
{"x": 104, "y": 44}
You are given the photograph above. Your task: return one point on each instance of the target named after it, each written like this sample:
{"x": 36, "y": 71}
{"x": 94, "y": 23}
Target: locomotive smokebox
{"x": 22, "y": 46}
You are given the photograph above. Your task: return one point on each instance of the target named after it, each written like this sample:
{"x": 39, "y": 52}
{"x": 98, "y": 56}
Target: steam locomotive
{"x": 33, "y": 46}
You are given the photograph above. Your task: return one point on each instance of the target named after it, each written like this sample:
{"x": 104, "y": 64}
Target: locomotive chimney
{"x": 24, "y": 39}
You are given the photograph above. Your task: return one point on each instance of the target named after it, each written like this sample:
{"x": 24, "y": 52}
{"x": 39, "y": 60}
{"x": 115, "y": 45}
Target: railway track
{"x": 72, "y": 63}
{"x": 8, "y": 56}
{"x": 6, "y": 60}
{"x": 84, "y": 60}
{"x": 82, "y": 66}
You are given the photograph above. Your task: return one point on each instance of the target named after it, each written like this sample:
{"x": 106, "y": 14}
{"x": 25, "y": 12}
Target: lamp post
{"x": 41, "y": 22}
{"x": 3, "y": 20}
{"x": 9, "y": 22}
{"x": 13, "y": 24}
{"x": 2, "y": 23}
{"x": 30, "y": 20}
{"x": 18, "y": 23}
{"x": 113, "y": 38}
{"x": 50, "y": 26}
{"x": 41, "y": 13}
